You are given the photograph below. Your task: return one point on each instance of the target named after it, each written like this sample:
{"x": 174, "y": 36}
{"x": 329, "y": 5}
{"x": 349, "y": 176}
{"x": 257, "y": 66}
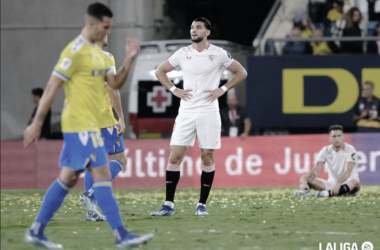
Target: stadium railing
{"x": 270, "y": 48}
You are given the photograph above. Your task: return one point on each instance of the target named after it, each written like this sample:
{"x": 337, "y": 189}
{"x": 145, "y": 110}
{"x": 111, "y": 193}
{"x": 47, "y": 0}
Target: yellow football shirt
{"x": 82, "y": 67}
{"x": 107, "y": 119}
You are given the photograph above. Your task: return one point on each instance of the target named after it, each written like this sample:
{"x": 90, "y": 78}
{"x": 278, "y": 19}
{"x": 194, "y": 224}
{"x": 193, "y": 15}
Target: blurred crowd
{"x": 336, "y": 18}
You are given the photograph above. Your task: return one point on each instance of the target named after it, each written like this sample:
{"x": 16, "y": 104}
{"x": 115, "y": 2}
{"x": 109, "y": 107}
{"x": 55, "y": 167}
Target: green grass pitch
{"x": 240, "y": 219}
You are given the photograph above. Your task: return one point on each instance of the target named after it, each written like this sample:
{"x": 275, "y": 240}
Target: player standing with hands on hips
{"x": 198, "y": 116}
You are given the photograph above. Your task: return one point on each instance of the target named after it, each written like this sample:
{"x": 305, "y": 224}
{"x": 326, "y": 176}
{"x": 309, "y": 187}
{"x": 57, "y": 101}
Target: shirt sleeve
{"x": 322, "y": 155}
{"x": 174, "y": 60}
{"x": 226, "y": 58}
{"x": 111, "y": 65}
{"x": 65, "y": 67}
{"x": 351, "y": 157}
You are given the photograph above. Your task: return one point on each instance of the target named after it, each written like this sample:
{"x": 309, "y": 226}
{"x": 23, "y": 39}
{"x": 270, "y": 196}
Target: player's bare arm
{"x": 347, "y": 172}
{"x": 247, "y": 128}
{"x": 132, "y": 47}
{"x": 116, "y": 102}
{"x": 33, "y": 131}
{"x": 161, "y": 74}
{"x": 239, "y": 75}
{"x": 310, "y": 176}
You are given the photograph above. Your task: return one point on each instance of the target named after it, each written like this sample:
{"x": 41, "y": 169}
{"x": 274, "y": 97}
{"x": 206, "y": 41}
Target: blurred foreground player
{"x": 82, "y": 71}
{"x": 198, "y": 116}
{"x": 340, "y": 158}
{"x": 111, "y": 130}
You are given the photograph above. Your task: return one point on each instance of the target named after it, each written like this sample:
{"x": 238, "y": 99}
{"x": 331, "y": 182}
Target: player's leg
{"x": 52, "y": 201}
{"x": 177, "y": 153}
{"x": 114, "y": 145}
{"x": 349, "y": 187}
{"x": 100, "y": 171}
{"x": 208, "y": 133}
{"x": 207, "y": 178}
{"x": 316, "y": 184}
{"x": 107, "y": 203}
{"x": 115, "y": 149}
{"x": 183, "y": 136}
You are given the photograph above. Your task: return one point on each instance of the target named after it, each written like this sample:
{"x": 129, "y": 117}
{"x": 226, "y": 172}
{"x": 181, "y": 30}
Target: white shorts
{"x": 205, "y": 126}
{"x": 330, "y": 183}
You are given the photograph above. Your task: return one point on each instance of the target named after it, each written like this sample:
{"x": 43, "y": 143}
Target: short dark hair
{"x": 369, "y": 83}
{"x": 37, "y": 92}
{"x": 335, "y": 127}
{"x": 205, "y": 21}
{"x": 98, "y": 10}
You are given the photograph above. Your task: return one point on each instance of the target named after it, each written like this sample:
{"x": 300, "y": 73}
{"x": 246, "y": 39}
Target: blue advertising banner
{"x": 307, "y": 91}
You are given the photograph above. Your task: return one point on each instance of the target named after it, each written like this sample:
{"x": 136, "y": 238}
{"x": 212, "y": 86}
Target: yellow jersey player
{"x": 112, "y": 134}
{"x": 82, "y": 71}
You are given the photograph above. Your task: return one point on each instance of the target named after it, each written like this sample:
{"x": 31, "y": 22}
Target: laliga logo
{"x": 347, "y": 246}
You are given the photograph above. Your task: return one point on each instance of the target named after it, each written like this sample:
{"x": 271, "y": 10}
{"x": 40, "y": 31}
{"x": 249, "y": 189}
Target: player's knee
{"x": 175, "y": 158}
{"x": 121, "y": 157}
{"x": 101, "y": 173}
{"x": 71, "y": 180}
{"x": 355, "y": 183}
{"x": 207, "y": 159}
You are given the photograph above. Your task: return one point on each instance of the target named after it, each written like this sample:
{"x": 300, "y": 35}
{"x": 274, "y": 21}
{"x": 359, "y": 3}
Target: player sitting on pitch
{"x": 340, "y": 158}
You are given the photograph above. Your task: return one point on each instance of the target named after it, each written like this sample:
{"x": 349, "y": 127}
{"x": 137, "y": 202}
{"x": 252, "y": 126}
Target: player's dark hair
{"x": 335, "y": 127}
{"x": 37, "y": 92}
{"x": 205, "y": 21}
{"x": 99, "y": 10}
{"x": 369, "y": 83}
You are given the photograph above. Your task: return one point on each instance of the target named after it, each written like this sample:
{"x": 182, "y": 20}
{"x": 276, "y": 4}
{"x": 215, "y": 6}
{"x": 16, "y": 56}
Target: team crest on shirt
{"x": 93, "y": 157}
{"x": 211, "y": 57}
{"x": 353, "y": 156}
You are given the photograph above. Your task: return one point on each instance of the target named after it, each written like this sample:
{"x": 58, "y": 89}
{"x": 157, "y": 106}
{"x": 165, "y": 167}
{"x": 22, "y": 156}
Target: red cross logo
{"x": 159, "y": 99}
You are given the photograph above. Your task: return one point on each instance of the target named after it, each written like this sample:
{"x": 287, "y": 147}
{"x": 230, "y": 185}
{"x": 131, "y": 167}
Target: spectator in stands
{"x": 320, "y": 47}
{"x": 303, "y": 22}
{"x": 45, "y": 131}
{"x": 335, "y": 13}
{"x": 235, "y": 121}
{"x": 373, "y": 47}
{"x": 367, "y": 110}
{"x": 295, "y": 48}
{"x": 349, "y": 26}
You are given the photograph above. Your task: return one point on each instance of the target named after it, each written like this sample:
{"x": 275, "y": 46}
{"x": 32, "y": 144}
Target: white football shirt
{"x": 201, "y": 71}
{"x": 336, "y": 161}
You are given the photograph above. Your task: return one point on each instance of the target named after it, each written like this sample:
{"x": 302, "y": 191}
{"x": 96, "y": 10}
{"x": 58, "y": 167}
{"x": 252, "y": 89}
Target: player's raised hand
{"x": 120, "y": 127}
{"x": 31, "y": 133}
{"x": 183, "y": 94}
{"x": 213, "y": 94}
{"x": 132, "y": 47}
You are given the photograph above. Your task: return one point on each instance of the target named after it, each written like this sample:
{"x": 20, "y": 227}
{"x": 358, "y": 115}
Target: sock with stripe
{"x": 115, "y": 167}
{"x": 88, "y": 180}
{"x": 53, "y": 199}
{"x": 108, "y": 205}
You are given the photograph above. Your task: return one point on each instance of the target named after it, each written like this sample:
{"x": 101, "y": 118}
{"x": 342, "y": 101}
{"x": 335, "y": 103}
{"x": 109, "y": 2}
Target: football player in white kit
{"x": 340, "y": 158}
{"x": 198, "y": 116}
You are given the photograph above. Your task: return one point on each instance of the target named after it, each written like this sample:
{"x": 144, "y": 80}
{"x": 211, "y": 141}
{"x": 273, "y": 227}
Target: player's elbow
{"x": 158, "y": 73}
{"x": 243, "y": 74}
